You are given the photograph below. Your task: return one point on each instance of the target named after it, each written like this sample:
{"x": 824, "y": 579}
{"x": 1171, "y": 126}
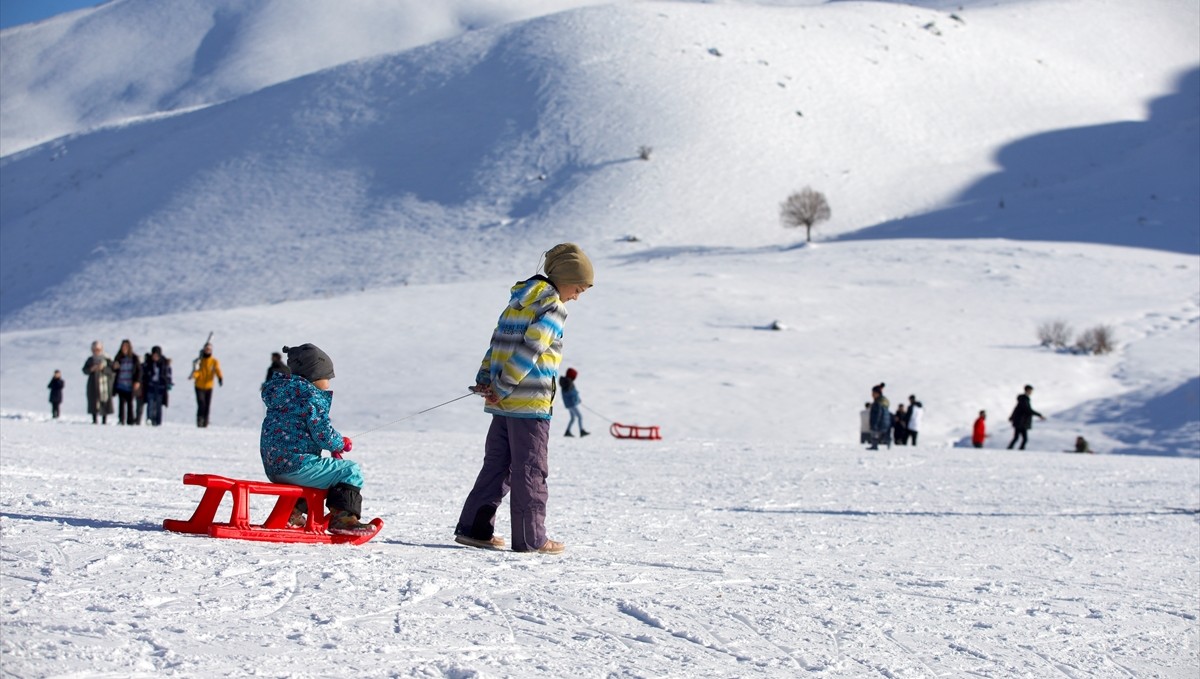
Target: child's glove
{"x": 347, "y": 444}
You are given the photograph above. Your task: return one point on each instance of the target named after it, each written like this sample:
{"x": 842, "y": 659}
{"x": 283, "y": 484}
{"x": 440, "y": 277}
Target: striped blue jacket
{"x": 521, "y": 364}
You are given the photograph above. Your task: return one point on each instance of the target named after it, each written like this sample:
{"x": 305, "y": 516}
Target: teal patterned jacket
{"x": 296, "y": 425}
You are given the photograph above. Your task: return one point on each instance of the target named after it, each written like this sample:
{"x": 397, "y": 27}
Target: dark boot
{"x": 345, "y": 497}
{"x": 345, "y": 507}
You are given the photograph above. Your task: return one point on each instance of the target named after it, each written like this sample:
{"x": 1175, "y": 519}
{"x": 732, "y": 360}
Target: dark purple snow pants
{"x": 515, "y": 457}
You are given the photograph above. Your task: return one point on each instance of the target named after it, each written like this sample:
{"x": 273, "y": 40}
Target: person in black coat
{"x": 156, "y": 383}
{"x": 900, "y": 426}
{"x": 277, "y": 366}
{"x": 1022, "y": 418}
{"x": 56, "y": 390}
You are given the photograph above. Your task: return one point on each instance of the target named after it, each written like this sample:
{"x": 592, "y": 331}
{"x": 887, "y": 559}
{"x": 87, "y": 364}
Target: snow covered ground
{"x": 688, "y": 557}
{"x": 373, "y": 179}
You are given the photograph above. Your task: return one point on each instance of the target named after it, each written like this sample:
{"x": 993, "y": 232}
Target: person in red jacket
{"x": 980, "y": 432}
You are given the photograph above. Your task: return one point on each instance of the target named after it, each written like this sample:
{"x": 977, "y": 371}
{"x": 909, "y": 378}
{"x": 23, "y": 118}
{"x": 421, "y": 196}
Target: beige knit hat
{"x": 567, "y": 265}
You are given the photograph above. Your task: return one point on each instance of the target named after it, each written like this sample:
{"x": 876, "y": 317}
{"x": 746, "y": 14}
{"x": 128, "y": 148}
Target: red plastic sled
{"x": 275, "y": 528}
{"x": 633, "y": 431}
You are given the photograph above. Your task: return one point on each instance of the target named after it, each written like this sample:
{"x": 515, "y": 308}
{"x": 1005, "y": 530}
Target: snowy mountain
{"x": 130, "y": 59}
{"x": 372, "y": 176}
{"x": 991, "y": 166}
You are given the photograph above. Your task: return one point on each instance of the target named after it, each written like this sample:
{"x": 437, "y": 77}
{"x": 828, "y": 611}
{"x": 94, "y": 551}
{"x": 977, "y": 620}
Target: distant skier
{"x": 205, "y": 371}
{"x": 570, "y": 396}
{"x": 1022, "y": 418}
{"x": 516, "y": 380}
{"x": 1081, "y": 445}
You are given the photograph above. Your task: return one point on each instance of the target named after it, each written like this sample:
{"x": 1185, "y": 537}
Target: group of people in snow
{"x": 140, "y": 386}
{"x": 517, "y": 379}
{"x": 879, "y": 425}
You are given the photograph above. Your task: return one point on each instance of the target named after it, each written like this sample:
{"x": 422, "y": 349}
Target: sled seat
{"x": 274, "y": 529}
{"x": 633, "y": 431}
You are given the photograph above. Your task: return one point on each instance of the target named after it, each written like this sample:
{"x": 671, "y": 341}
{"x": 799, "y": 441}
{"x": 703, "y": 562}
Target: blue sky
{"x": 15, "y": 12}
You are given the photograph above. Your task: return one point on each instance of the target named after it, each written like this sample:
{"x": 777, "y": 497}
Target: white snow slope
{"x": 372, "y": 177}
{"x": 685, "y": 558}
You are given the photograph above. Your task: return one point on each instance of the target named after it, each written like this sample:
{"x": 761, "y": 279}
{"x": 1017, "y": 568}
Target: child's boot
{"x": 345, "y": 503}
{"x": 297, "y": 518}
{"x": 299, "y": 514}
{"x": 342, "y": 522}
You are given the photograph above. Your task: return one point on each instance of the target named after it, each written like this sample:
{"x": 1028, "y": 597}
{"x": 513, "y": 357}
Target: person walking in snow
{"x": 864, "y": 424}
{"x": 296, "y": 428}
{"x": 915, "y": 411}
{"x": 205, "y": 371}
{"x": 156, "y": 382}
{"x": 1022, "y": 418}
{"x": 881, "y": 417}
{"x": 570, "y": 397}
{"x": 128, "y": 371}
{"x": 979, "y": 431}
{"x": 517, "y": 382}
{"x": 56, "y": 391}
{"x": 98, "y": 368}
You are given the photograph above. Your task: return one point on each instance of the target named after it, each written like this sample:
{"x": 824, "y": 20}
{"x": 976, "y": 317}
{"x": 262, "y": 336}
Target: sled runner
{"x": 633, "y": 431}
{"x": 275, "y": 528}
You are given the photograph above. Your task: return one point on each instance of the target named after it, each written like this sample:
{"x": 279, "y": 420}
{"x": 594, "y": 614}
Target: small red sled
{"x": 275, "y": 528}
{"x": 633, "y": 431}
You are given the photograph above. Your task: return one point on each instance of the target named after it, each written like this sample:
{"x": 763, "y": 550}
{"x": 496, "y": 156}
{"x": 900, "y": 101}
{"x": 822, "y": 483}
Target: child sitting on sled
{"x": 296, "y": 429}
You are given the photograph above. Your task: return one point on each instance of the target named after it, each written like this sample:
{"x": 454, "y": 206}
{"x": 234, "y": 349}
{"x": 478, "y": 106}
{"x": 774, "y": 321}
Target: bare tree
{"x": 804, "y": 208}
{"x": 1097, "y": 340}
{"x": 1056, "y": 334}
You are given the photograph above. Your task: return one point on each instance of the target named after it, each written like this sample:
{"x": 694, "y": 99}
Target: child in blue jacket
{"x": 570, "y": 396}
{"x": 296, "y": 429}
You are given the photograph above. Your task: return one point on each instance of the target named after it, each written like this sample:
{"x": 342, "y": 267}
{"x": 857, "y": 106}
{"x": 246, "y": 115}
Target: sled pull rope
{"x": 420, "y": 412}
{"x": 585, "y": 407}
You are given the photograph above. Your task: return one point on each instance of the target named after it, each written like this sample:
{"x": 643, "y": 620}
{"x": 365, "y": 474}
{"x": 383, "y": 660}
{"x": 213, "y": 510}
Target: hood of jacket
{"x": 533, "y": 294}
